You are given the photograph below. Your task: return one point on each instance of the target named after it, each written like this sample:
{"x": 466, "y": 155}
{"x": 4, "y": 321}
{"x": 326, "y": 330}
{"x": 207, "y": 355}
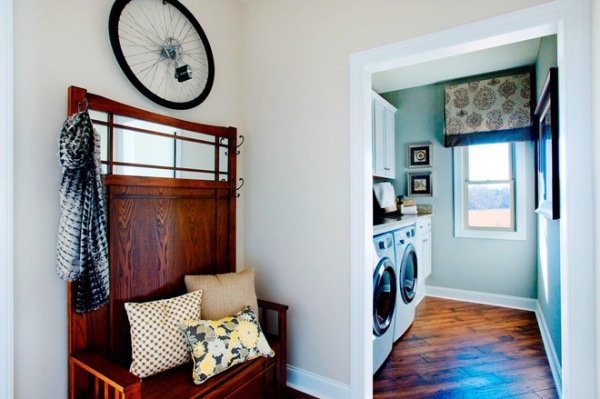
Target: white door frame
{"x": 6, "y": 196}
{"x": 570, "y": 20}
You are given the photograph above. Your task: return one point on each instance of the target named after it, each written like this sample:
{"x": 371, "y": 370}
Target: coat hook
{"x": 240, "y": 144}
{"x": 221, "y": 139}
{"x": 237, "y": 189}
{"x": 237, "y": 146}
{"x": 85, "y": 101}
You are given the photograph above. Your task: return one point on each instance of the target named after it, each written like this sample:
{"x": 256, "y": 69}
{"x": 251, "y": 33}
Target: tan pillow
{"x": 224, "y": 294}
{"x": 157, "y": 344}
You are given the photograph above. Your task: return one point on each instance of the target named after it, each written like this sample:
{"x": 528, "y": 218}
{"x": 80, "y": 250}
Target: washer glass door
{"x": 408, "y": 274}
{"x": 384, "y": 296}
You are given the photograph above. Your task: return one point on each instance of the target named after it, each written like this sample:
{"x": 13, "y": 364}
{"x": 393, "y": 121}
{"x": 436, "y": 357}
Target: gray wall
{"x": 503, "y": 267}
{"x": 548, "y": 292}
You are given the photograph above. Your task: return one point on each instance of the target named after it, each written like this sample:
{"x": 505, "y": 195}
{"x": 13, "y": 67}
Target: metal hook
{"x": 237, "y": 146}
{"x": 237, "y": 189}
{"x": 221, "y": 139}
{"x": 240, "y": 143}
{"x": 85, "y": 101}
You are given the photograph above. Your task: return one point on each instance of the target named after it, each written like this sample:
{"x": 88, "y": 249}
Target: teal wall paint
{"x": 491, "y": 266}
{"x": 548, "y": 292}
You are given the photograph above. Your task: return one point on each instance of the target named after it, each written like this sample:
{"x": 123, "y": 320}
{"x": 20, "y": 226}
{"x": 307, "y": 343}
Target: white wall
{"x": 297, "y": 196}
{"x": 58, "y": 44}
{"x": 6, "y": 203}
{"x": 596, "y": 139}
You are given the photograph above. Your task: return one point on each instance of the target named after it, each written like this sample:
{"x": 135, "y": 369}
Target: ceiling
{"x": 475, "y": 63}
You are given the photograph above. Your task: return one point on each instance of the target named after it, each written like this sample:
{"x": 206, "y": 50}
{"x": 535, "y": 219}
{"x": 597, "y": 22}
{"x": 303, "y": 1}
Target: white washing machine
{"x": 407, "y": 272}
{"x": 384, "y": 297}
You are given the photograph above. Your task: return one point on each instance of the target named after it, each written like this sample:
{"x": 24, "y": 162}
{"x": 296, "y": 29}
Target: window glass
{"x": 489, "y": 162}
{"x": 489, "y": 205}
{"x": 486, "y": 181}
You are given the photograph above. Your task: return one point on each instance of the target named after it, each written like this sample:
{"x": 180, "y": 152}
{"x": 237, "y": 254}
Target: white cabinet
{"x": 384, "y": 138}
{"x": 423, "y": 247}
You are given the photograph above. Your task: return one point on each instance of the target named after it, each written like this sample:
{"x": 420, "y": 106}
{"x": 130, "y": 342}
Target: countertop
{"x": 393, "y": 221}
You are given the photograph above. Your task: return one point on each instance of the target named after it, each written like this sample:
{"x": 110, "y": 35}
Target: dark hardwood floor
{"x": 293, "y": 394}
{"x": 465, "y": 350}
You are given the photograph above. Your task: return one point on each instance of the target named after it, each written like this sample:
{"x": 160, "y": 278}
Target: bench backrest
{"x": 160, "y": 229}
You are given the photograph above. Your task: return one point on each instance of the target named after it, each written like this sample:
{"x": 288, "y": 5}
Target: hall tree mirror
{"x": 136, "y": 147}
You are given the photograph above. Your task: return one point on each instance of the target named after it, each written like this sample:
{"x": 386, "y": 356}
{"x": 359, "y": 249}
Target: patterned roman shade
{"x": 493, "y": 110}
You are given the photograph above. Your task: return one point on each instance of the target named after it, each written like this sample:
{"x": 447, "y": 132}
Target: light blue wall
{"x": 549, "y": 230}
{"x": 491, "y": 266}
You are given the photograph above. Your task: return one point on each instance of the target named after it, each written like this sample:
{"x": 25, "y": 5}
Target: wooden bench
{"x": 161, "y": 229}
{"x": 255, "y": 379}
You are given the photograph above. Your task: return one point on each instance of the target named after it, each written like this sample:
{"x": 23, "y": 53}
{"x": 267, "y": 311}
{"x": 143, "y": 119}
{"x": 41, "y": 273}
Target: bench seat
{"x": 261, "y": 377}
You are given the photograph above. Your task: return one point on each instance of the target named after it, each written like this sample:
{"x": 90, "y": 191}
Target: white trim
{"x": 519, "y": 191}
{"x": 569, "y": 19}
{"x": 505, "y": 301}
{"x": 6, "y": 202}
{"x": 361, "y": 230}
{"x": 555, "y": 366}
{"x": 315, "y": 385}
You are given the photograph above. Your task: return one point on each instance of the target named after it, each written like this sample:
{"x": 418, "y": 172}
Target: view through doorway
{"x": 567, "y": 19}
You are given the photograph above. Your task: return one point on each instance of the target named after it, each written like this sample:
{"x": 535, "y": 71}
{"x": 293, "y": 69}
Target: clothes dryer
{"x": 407, "y": 271}
{"x": 384, "y": 297}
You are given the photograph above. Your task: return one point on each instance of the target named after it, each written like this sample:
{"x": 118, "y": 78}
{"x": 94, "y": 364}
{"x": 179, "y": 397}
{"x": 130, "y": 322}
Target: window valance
{"x": 492, "y": 110}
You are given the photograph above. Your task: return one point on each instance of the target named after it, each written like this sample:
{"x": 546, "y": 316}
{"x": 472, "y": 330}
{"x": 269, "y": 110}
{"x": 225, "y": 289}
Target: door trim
{"x": 570, "y": 21}
{"x": 6, "y": 202}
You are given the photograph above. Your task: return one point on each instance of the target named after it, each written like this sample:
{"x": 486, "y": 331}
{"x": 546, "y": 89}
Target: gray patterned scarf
{"x": 82, "y": 249}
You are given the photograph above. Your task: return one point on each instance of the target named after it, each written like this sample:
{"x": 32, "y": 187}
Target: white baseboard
{"x": 555, "y": 366}
{"x": 506, "y": 301}
{"x": 316, "y": 385}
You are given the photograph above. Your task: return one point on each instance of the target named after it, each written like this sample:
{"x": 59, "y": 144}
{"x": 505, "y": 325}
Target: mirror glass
{"x": 142, "y": 148}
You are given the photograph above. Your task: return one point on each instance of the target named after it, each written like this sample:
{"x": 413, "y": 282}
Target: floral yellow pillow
{"x": 217, "y": 345}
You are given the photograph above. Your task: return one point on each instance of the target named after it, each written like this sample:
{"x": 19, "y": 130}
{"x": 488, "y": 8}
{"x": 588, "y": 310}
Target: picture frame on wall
{"x": 420, "y": 184}
{"x": 419, "y": 155}
{"x": 546, "y": 123}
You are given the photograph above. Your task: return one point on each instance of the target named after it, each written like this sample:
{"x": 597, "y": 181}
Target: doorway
{"x": 569, "y": 20}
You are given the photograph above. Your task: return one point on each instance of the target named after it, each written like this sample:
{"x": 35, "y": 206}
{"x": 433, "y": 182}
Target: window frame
{"x": 518, "y": 198}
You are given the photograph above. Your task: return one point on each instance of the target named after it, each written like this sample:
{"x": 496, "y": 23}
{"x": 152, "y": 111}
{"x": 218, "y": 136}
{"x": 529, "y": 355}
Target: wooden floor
{"x": 464, "y": 350}
{"x": 293, "y": 394}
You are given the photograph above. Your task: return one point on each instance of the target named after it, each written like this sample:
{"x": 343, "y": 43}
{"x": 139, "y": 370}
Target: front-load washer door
{"x": 409, "y": 270}
{"x": 384, "y": 296}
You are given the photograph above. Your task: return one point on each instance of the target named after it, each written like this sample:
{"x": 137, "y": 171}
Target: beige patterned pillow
{"x": 224, "y": 294}
{"x": 157, "y": 344}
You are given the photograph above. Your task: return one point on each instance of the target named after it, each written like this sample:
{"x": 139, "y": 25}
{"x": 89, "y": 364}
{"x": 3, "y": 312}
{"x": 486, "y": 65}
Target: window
{"x": 489, "y": 191}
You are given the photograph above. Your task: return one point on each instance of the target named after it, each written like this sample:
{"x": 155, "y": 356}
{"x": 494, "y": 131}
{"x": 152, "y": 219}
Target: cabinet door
{"x": 389, "y": 162}
{"x": 384, "y": 138}
{"x": 379, "y": 139}
{"x": 425, "y": 255}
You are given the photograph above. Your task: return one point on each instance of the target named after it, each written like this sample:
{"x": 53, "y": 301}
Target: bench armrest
{"x": 281, "y": 357}
{"x": 108, "y": 378}
{"x": 268, "y": 307}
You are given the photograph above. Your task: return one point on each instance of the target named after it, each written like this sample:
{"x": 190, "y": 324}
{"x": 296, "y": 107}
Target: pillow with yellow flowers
{"x": 217, "y": 345}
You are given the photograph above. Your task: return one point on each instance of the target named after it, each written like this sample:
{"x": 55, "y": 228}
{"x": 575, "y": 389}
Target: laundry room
{"x": 470, "y": 208}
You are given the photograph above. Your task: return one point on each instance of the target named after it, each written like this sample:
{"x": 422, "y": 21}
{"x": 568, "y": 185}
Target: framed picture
{"x": 546, "y": 122}
{"x": 419, "y": 155}
{"x": 420, "y": 184}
